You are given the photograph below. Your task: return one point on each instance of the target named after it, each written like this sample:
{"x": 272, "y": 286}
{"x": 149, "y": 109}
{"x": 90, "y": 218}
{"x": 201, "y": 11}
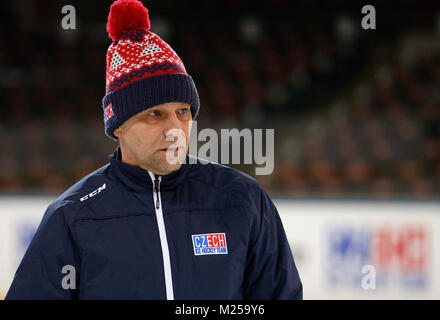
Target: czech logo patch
{"x": 209, "y": 243}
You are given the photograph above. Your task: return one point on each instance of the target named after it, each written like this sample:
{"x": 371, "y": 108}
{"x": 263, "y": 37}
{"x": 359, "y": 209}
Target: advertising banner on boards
{"x": 342, "y": 249}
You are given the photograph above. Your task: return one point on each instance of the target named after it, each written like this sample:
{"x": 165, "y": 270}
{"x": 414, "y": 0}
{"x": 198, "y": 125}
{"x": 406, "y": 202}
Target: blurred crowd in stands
{"x": 353, "y": 117}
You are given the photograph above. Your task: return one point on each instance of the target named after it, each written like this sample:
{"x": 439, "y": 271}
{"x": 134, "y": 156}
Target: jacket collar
{"x": 138, "y": 179}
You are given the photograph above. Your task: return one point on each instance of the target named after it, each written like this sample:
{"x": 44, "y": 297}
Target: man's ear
{"x": 117, "y": 132}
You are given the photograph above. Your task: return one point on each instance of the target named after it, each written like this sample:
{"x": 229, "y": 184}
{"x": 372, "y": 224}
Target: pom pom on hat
{"x": 125, "y": 16}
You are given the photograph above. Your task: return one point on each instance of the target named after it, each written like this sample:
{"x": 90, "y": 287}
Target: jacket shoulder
{"x": 229, "y": 180}
{"x": 220, "y": 175}
{"x": 82, "y": 193}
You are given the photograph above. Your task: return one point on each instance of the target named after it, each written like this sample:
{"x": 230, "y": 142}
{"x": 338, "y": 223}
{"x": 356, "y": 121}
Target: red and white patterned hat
{"x": 143, "y": 71}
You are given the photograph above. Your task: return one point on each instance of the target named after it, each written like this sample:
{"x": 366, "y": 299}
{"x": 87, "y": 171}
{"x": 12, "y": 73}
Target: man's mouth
{"x": 170, "y": 149}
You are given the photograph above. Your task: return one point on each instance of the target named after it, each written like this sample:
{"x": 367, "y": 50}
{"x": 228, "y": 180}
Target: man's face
{"x": 147, "y": 139}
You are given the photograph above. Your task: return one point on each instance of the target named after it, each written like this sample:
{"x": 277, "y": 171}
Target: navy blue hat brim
{"x": 147, "y": 93}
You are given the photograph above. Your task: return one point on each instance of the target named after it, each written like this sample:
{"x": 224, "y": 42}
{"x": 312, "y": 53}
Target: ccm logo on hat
{"x": 209, "y": 243}
{"x": 108, "y": 112}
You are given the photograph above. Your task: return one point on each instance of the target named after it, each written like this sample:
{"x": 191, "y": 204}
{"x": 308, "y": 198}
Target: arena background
{"x": 356, "y": 115}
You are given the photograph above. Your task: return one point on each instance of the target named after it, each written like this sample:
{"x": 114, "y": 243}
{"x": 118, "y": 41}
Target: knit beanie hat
{"x": 143, "y": 71}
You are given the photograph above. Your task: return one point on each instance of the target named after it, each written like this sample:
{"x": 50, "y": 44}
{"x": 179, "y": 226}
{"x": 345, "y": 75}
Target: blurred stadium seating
{"x": 356, "y": 113}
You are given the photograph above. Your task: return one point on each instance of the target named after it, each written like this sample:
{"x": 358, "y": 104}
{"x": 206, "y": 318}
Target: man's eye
{"x": 182, "y": 111}
{"x": 153, "y": 113}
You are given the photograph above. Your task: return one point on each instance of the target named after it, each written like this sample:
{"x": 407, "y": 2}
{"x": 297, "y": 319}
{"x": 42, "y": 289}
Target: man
{"x": 145, "y": 226}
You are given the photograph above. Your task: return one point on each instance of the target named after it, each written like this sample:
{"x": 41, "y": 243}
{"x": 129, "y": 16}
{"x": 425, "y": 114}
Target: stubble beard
{"x": 157, "y": 162}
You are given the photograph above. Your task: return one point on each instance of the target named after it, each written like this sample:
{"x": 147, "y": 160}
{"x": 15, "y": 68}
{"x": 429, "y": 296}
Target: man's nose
{"x": 172, "y": 127}
{"x": 171, "y": 122}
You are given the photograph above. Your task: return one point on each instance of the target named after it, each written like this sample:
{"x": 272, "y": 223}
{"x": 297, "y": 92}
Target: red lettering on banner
{"x": 406, "y": 247}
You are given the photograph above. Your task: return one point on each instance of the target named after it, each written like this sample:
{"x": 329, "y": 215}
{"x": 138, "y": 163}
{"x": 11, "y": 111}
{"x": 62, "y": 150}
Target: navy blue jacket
{"x": 205, "y": 231}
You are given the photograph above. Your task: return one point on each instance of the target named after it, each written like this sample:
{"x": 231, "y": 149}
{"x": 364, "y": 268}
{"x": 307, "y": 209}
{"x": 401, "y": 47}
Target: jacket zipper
{"x": 157, "y": 190}
{"x": 163, "y": 236}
